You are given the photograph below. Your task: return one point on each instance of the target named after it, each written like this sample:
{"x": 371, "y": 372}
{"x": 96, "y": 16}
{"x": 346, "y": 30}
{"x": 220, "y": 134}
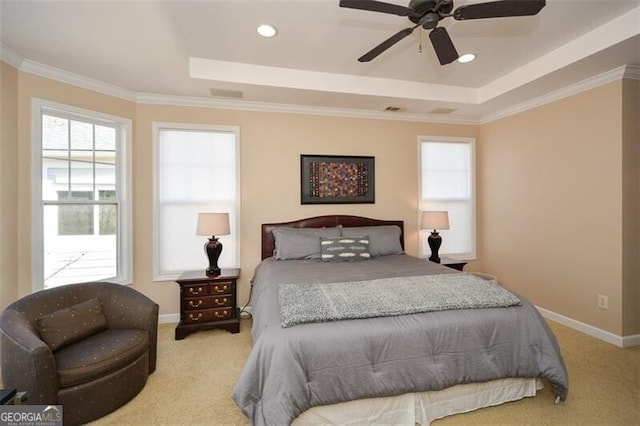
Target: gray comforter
{"x": 292, "y": 369}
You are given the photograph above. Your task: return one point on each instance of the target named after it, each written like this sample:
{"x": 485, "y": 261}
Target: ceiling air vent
{"x": 394, "y": 109}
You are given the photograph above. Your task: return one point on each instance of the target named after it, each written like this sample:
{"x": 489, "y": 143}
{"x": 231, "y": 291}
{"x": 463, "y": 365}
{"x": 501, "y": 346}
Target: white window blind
{"x": 447, "y": 182}
{"x": 82, "y": 211}
{"x": 197, "y": 171}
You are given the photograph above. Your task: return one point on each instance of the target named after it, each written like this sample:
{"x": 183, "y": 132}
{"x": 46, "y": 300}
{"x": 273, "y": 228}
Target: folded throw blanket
{"x": 320, "y": 302}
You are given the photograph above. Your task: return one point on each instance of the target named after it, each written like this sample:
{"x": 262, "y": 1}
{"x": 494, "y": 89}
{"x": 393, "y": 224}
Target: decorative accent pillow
{"x": 383, "y": 240}
{"x": 66, "y": 326}
{"x": 344, "y": 249}
{"x": 300, "y": 243}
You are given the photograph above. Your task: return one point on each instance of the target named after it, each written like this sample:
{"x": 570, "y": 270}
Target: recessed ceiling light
{"x": 267, "y": 31}
{"x": 467, "y": 57}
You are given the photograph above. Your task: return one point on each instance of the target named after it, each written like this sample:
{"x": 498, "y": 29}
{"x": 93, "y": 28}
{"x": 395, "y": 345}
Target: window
{"x": 447, "y": 182}
{"x": 81, "y": 216}
{"x": 196, "y": 171}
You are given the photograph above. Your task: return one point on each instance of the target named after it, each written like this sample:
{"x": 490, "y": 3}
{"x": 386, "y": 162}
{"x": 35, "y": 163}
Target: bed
{"x": 317, "y": 366}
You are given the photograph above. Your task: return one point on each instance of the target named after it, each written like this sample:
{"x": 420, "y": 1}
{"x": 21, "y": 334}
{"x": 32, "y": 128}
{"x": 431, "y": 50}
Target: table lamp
{"x": 434, "y": 220}
{"x": 213, "y": 224}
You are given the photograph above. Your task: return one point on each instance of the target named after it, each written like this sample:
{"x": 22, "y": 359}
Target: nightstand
{"x": 208, "y": 302}
{"x": 453, "y": 263}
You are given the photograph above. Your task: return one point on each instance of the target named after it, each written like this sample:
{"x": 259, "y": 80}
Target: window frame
{"x": 124, "y": 234}
{"x": 157, "y": 127}
{"x": 423, "y": 250}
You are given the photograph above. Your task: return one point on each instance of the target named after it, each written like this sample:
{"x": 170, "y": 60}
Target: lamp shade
{"x": 213, "y": 224}
{"x": 434, "y": 220}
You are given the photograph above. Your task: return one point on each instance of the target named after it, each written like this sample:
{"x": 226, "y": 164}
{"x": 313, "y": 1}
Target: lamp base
{"x": 213, "y": 272}
{"x": 434, "y": 240}
{"x": 213, "y": 249}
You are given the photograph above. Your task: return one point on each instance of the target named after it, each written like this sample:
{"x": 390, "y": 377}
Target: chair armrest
{"x": 27, "y": 362}
{"x": 128, "y": 308}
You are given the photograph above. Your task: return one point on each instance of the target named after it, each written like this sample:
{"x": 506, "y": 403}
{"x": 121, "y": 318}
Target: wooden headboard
{"x": 269, "y": 244}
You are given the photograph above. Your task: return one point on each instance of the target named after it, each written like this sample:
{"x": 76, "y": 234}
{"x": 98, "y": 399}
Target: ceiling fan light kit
{"x": 428, "y": 13}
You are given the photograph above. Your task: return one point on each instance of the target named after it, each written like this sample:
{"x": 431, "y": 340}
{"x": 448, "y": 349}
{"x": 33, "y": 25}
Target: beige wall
{"x": 8, "y": 184}
{"x": 270, "y": 148}
{"x": 553, "y": 205}
{"x": 631, "y": 207}
{"x": 271, "y": 144}
{"x": 550, "y": 190}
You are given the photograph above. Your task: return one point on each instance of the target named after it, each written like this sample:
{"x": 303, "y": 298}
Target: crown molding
{"x": 10, "y": 57}
{"x": 26, "y": 65}
{"x": 625, "y": 71}
{"x": 632, "y": 72}
{"x": 77, "y": 80}
{"x": 244, "y": 105}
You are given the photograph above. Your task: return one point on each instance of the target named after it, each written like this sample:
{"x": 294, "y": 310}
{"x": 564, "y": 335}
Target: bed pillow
{"x": 66, "y": 326}
{"x": 344, "y": 249}
{"x": 383, "y": 240}
{"x": 300, "y": 243}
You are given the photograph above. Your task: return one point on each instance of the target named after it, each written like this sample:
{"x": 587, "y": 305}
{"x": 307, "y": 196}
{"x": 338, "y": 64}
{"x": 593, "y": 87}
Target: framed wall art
{"x": 334, "y": 179}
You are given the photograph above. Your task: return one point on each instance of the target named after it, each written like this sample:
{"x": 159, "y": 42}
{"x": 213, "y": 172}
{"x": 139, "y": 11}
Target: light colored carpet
{"x": 195, "y": 377}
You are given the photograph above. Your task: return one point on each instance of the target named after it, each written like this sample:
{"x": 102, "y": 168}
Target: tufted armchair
{"x": 88, "y": 347}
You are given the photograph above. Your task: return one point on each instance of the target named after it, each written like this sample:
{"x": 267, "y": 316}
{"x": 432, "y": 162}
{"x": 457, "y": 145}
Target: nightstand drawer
{"x": 207, "y": 302}
{"x": 208, "y": 315}
{"x": 196, "y": 290}
{"x": 223, "y": 287}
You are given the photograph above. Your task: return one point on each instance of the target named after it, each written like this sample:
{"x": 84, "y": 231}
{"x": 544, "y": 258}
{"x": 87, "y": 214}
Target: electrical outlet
{"x": 603, "y": 301}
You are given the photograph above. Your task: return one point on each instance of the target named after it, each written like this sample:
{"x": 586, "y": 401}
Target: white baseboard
{"x": 629, "y": 341}
{"x": 168, "y": 318}
{"x": 614, "y": 339}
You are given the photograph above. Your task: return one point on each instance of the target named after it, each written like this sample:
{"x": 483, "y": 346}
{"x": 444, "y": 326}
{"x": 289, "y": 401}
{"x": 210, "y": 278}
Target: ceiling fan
{"x": 427, "y": 14}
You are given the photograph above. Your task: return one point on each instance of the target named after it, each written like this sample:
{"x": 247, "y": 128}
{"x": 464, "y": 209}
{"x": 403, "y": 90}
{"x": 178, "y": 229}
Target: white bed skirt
{"x": 420, "y": 407}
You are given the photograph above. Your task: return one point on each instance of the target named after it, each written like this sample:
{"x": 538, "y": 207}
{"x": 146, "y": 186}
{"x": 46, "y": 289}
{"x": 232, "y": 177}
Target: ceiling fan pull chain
{"x": 420, "y": 42}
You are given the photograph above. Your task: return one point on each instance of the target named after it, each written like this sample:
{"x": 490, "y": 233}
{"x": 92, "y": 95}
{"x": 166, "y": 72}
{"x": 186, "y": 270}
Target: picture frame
{"x": 336, "y": 179}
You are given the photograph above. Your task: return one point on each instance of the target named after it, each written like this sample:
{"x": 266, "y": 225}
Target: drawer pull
{"x": 220, "y": 289}
{"x": 220, "y": 315}
{"x": 195, "y": 318}
{"x": 198, "y": 291}
{"x": 220, "y": 302}
{"x": 195, "y": 305}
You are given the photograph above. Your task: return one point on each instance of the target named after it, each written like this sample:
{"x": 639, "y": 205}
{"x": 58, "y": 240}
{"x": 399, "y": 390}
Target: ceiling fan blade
{"x": 376, "y": 6}
{"x": 499, "y": 9}
{"x": 386, "y": 44}
{"x": 443, "y": 45}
